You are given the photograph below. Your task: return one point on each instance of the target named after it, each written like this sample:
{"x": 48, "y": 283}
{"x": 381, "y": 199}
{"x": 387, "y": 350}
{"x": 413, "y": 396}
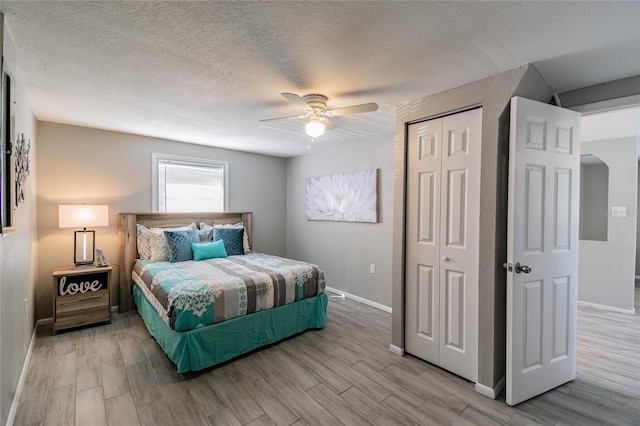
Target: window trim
{"x": 156, "y": 157}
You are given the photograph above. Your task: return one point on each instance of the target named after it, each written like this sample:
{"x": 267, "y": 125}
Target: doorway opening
{"x": 609, "y": 261}
{"x": 609, "y": 239}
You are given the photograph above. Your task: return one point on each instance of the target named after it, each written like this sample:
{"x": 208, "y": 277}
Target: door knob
{"x": 445, "y": 258}
{"x": 522, "y": 268}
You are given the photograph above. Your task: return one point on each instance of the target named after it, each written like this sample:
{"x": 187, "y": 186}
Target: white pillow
{"x": 245, "y": 239}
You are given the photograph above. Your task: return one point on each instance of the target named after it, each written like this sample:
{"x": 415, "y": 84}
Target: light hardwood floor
{"x": 117, "y": 375}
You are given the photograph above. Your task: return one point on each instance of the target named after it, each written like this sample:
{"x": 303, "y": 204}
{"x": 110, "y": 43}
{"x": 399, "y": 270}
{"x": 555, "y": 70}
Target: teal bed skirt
{"x": 210, "y": 345}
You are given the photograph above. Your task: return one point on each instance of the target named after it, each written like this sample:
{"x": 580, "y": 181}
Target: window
{"x": 182, "y": 184}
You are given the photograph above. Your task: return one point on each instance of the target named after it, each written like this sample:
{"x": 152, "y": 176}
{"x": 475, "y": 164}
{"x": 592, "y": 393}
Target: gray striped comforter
{"x": 193, "y": 294}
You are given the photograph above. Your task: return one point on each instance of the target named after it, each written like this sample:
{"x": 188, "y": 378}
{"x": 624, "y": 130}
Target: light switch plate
{"x": 618, "y": 212}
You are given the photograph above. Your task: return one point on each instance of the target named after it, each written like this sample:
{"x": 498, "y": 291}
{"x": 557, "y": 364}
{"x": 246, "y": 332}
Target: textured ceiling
{"x": 206, "y": 72}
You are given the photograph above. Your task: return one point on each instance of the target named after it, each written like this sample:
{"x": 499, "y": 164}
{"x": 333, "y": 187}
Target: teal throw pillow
{"x": 180, "y": 244}
{"x": 212, "y": 250}
{"x": 232, "y": 238}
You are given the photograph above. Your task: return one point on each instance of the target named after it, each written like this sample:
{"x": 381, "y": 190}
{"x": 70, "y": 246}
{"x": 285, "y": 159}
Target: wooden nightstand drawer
{"x": 81, "y": 297}
{"x": 82, "y": 303}
{"x": 73, "y": 311}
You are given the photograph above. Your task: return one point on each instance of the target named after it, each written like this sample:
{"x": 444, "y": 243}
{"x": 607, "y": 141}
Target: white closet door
{"x": 459, "y": 230}
{"x": 422, "y": 307}
{"x": 443, "y": 185}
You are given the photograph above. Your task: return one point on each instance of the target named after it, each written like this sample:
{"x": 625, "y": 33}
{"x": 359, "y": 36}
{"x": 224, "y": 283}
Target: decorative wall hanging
{"x": 22, "y": 167}
{"x": 346, "y": 197}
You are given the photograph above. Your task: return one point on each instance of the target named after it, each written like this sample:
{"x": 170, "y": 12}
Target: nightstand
{"x": 81, "y": 296}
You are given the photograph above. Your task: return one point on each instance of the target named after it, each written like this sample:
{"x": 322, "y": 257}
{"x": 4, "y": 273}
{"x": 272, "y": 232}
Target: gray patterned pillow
{"x": 180, "y": 244}
{"x": 143, "y": 242}
{"x": 205, "y": 235}
{"x": 159, "y": 246}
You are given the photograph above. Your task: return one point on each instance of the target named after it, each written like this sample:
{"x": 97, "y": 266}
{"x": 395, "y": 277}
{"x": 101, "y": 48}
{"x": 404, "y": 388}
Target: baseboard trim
{"x": 607, "y": 308}
{"x": 396, "y": 350}
{"x": 360, "y": 299}
{"x": 23, "y": 377}
{"x": 45, "y": 321}
{"x": 491, "y": 392}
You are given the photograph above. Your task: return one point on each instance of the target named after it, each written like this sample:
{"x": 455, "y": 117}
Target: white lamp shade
{"x": 314, "y": 128}
{"x": 83, "y": 215}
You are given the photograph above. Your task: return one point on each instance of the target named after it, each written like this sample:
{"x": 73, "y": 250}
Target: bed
{"x": 240, "y": 312}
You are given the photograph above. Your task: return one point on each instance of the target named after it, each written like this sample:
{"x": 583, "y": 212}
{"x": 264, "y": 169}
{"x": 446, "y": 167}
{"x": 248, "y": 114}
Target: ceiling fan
{"x": 315, "y": 108}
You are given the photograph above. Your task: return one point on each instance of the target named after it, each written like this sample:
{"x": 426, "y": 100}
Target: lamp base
{"x": 84, "y": 247}
{"x": 83, "y": 265}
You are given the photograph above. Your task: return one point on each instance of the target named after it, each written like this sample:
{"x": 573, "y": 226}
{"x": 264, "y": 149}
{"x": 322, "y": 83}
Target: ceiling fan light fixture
{"x": 314, "y": 128}
{"x": 315, "y": 108}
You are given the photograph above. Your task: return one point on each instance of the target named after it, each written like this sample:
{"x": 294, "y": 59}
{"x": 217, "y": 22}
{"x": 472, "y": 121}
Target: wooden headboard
{"x": 127, "y": 240}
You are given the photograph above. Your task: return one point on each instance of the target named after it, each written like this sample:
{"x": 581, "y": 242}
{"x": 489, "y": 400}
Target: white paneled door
{"x": 542, "y": 248}
{"x": 442, "y": 238}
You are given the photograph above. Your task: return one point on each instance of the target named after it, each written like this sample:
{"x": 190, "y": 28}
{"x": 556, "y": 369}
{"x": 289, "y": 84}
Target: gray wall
{"x": 638, "y": 225}
{"x": 607, "y": 268}
{"x": 18, "y": 257}
{"x": 345, "y": 250}
{"x": 594, "y": 196}
{"x": 82, "y": 165}
{"x": 601, "y": 92}
{"x": 493, "y": 94}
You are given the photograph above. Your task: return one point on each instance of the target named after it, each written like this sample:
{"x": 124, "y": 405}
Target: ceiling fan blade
{"x": 284, "y": 118}
{"x": 295, "y": 99}
{"x": 328, "y": 125}
{"x": 354, "y": 109}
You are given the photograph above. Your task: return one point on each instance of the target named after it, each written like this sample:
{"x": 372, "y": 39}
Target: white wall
{"x": 607, "y": 268}
{"x": 18, "y": 257}
{"x": 82, "y": 165}
{"x": 345, "y": 250}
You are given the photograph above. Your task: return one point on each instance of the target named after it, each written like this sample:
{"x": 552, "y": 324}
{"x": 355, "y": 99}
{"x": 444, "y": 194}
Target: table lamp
{"x": 83, "y": 216}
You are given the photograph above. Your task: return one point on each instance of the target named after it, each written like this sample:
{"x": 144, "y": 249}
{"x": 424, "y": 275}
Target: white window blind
{"x": 189, "y": 185}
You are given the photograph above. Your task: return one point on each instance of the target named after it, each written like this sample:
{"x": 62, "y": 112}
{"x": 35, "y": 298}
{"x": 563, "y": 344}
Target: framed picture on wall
{"x": 344, "y": 197}
{"x": 6, "y": 169}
